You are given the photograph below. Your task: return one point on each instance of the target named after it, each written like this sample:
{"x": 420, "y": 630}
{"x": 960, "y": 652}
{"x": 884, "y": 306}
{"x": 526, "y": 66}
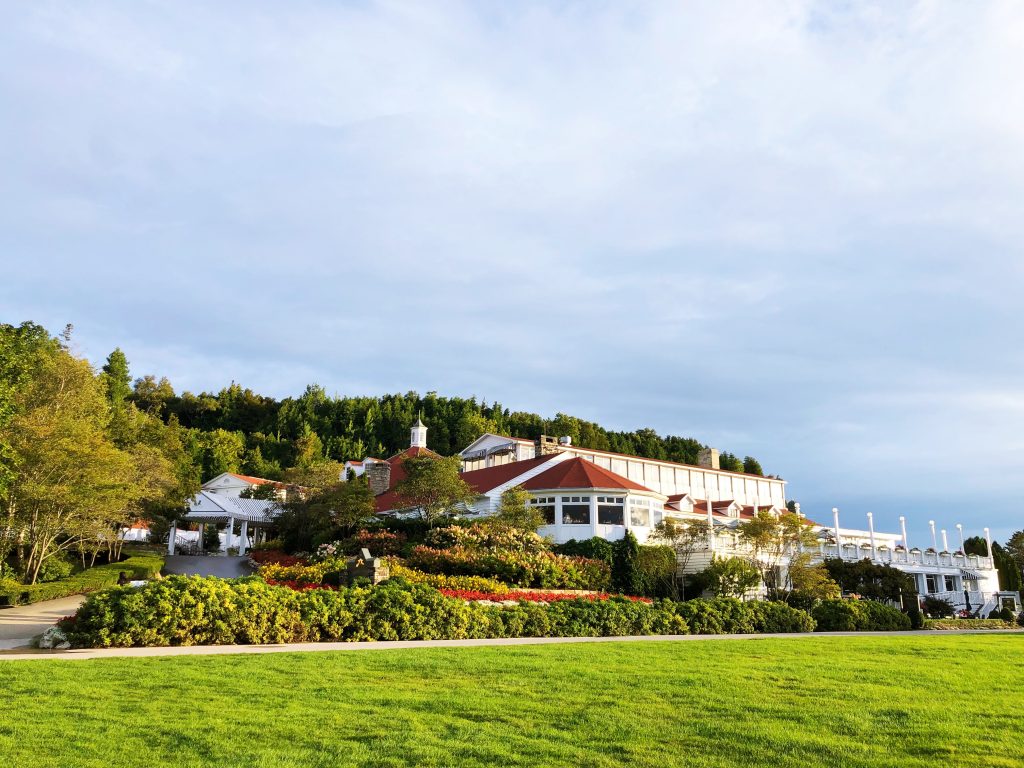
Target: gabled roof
{"x": 483, "y": 480}
{"x": 254, "y": 480}
{"x": 580, "y": 473}
{"x": 207, "y": 505}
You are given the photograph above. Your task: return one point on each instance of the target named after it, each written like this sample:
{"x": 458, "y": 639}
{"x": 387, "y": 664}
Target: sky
{"x": 792, "y": 230}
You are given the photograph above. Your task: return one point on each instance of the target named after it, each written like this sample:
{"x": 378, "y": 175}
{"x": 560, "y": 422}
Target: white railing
{"x": 885, "y": 555}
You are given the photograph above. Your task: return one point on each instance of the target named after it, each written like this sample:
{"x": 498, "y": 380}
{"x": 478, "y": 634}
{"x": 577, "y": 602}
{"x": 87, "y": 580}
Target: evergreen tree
{"x": 117, "y": 378}
{"x": 626, "y": 574}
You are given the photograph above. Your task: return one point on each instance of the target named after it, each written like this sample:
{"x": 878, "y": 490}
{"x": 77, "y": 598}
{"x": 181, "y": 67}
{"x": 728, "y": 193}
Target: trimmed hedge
{"x": 90, "y": 580}
{"x": 968, "y": 624}
{"x": 184, "y": 610}
{"x": 858, "y": 616}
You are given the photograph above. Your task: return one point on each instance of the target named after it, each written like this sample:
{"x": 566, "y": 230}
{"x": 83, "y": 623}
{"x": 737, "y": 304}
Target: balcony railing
{"x": 888, "y": 556}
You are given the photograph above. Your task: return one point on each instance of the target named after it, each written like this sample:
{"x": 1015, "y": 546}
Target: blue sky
{"x": 791, "y": 230}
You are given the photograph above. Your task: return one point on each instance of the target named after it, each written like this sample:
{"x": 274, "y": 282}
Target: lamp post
{"x": 871, "y": 532}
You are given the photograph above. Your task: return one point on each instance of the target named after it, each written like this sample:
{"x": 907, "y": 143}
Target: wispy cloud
{"x": 789, "y": 228}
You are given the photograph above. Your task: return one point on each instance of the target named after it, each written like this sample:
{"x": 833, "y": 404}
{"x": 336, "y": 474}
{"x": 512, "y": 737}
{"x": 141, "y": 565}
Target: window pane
{"x": 576, "y": 514}
{"x": 548, "y": 512}
{"x": 639, "y": 516}
{"x": 609, "y": 514}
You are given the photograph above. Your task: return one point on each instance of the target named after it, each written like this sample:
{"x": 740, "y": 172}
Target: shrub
{"x": 719, "y": 616}
{"x": 485, "y": 538}
{"x": 190, "y": 610}
{"x": 533, "y": 597}
{"x": 626, "y": 574}
{"x": 55, "y": 568}
{"x": 936, "y": 607}
{"x": 137, "y": 567}
{"x": 858, "y": 615}
{"x": 313, "y": 573}
{"x": 594, "y": 548}
{"x": 939, "y": 624}
{"x": 1020, "y": 619}
{"x": 1004, "y": 614}
{"x": 657, "y": 566}
{"x": 776, "y": 617}
{"x": 265, "y": 556}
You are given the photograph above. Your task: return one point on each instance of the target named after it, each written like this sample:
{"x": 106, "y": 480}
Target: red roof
{"x": 255, "y": 480}
{"x": 483, "y": 480}
{"x": 580, "y": 473}
{"x": 389, "y": 499}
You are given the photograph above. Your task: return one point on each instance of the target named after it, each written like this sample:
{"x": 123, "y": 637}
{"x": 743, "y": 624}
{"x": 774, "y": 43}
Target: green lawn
{"x": 915, "y": 700}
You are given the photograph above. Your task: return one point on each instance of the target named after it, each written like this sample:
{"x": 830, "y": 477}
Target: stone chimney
{"x": 378, "y": 477}
{"x": 708, "y": 457}
{"x": 547, "y": 446}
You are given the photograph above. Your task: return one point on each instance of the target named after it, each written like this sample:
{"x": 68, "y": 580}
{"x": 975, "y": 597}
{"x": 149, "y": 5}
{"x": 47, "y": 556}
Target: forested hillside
{"x": 247, "y": 432}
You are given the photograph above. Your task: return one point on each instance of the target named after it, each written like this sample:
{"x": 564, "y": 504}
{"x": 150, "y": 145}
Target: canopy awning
{"x": 968, "y": 575}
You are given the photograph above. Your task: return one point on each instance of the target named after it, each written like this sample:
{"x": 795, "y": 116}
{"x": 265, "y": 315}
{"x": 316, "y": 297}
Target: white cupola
{"x": 418, "y": 438}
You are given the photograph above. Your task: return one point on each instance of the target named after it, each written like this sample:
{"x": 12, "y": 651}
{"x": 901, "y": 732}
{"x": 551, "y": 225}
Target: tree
{"x": 116, "y": 378}
{"x": 1010, "y": 576}
{"x": 71, "y": 478}
{"x": 434, "y": 488}
{"x": 151, "y": 395}
{"x": 870, "y": 580}
{"x": 515, "y": 512}
{"x": 752, "y": 466}
{"x": 325, "y": 513}
{"x": 686, "y": 539}
{"x": 730, "y": 463}
{"x": 810, "y": 581}
{"x": 731, "y": 577}
{"x": 1015, "y": 549}
{"x": 771, "y": 540}
{"x": 626, "y": 574}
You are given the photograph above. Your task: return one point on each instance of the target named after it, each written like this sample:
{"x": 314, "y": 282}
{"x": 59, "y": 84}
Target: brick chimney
{"x": 547, "y": 445}
{"x": 378, "y": 477}
{"x": 708, "y": 457}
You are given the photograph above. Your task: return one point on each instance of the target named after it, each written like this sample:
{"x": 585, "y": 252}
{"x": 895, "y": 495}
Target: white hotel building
{"x": 584, "y": 493}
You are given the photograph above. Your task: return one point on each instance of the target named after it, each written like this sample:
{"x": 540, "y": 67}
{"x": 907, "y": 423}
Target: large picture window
{"x": 610, "y": 510}
{"x": 639, "y": 513}
{"x": 576, "y": 510}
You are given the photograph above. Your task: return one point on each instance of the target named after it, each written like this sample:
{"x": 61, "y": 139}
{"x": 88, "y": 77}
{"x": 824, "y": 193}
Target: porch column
{"x": 835, "y": 526}
{"x": 229, "y": 540}
{"x": 871, "y": 532}
{"x": 171, "y": 538}
{"x": 245, "y": 537}
{"x": 202, "y": 533}
{"x": 711, "y": 526}
{"x": 559, "y": 537}
{"x": 593, "y": 515}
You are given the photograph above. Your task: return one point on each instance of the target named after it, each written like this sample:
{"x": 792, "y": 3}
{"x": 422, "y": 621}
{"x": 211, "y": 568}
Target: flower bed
{"x": 441, "y": 581}
{"x": 267, "y": 556}
{"x": 525, "y": 569}
{"x": 299, "y": 586}
{"x": 535, "y": 597}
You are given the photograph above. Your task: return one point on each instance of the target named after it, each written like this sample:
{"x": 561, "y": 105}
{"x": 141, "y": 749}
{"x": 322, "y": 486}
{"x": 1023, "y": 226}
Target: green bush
{"x": 657, "y": 567}
{"x": 719, "y": 616}
{"x": 184, "y": 610}
{"x": 780, "y": 617}
{"x": 89, "y": 580}
{"x": 543, "y": 570}
{"x": 936, "y": 607}
{"x": 55, "y": 568}
{"x": 858, "y": 616}
{"x": 1003, "y": 614}
{"x": 626, "y": 574}
{"x": 594, "y": 548}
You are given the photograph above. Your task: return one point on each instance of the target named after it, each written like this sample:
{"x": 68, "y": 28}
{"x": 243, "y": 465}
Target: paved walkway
{"x": 19, "y": 625}
{"x": 221, "y": 650}
{"x": 207, "y": 565}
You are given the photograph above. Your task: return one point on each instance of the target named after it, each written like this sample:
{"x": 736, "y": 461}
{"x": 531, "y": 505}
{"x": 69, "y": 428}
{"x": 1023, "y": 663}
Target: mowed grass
{"x": 915, "y": 700}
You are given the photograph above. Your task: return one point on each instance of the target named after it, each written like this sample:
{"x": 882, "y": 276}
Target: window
{"x": 639, "y": 513}
{"x": 950, "y": 584}
{"x": 546, "y": 506}
{"x": 576, "y": 510}
{"x": 610, "y": 510}
{"x": 932, "y": 583}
